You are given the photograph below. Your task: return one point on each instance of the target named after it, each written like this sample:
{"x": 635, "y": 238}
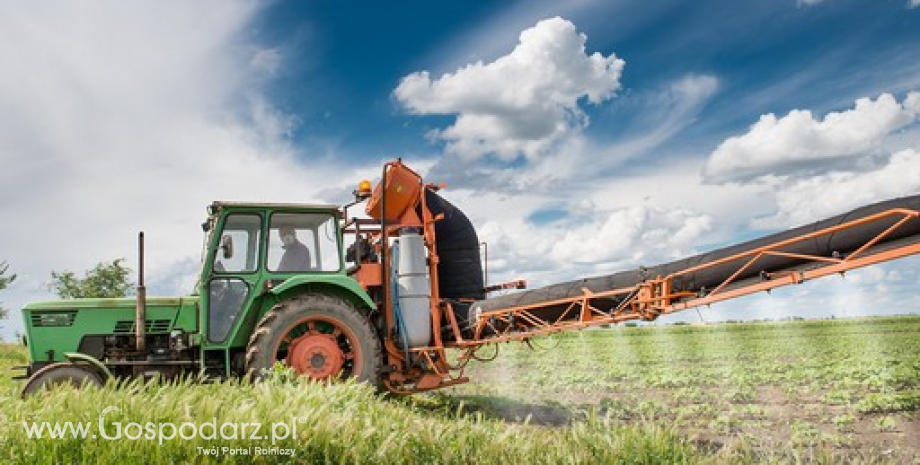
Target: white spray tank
{"x": 413, "y": 288}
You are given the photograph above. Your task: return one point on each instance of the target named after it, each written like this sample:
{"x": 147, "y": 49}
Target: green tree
{"x": 4, "y": 282}
{"x": 107, "y": 279}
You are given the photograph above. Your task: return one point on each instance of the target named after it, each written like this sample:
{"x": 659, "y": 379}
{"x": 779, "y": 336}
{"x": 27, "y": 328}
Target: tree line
{"x": 106, "y": 279}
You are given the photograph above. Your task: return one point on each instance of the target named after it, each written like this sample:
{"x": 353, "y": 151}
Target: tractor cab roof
{"x": 219, "y": 205}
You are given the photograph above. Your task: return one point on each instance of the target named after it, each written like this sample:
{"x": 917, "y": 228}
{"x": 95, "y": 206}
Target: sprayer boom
{"x": 866, "y": 236}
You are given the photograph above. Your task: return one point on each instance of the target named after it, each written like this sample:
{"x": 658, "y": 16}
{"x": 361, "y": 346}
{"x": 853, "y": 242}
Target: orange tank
{"x": 402, "y": 190}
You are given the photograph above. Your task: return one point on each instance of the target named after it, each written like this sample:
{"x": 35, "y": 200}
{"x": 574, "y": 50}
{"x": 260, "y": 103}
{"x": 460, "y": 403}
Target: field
{"x": 843, "y": 389}
{"x": 824, "y": 391}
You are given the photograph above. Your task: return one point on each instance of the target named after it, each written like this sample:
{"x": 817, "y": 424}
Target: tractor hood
{"x": 54, "y": 328}
{"x": 107, "y": 303}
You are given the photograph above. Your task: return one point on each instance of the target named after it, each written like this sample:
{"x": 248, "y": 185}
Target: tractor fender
{"x": 337, "y": 285}
{"x": 74, "y": 357}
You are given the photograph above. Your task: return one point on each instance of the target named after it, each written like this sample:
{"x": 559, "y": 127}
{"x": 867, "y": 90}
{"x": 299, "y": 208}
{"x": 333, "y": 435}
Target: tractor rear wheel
{"x": 318, "y": 336}
{"x": 64, "y": 373}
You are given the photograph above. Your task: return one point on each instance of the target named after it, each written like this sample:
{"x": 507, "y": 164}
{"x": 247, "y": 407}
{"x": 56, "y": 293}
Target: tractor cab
{"x": 255, "y": 255}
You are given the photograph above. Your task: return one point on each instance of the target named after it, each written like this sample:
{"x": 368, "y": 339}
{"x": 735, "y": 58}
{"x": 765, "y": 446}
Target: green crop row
{"x": 836, "y": 388}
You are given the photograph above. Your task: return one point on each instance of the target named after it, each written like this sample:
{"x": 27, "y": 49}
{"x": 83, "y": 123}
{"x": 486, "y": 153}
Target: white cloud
{"x": 807, "y": 200}
{"x": 520, "y": 103}
{"x": 798, "y": 142}
{"x": 913, "y": 4}
{"x": 117, "y": 117}
{"x": 634, "y": 235}
{"x": 585, "y": 241}
{"x": 665, "y": 111}
{"x": 813, "y": 169}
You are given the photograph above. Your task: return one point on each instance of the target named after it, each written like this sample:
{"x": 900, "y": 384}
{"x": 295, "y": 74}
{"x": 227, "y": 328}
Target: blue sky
{"x": 581, "y": 137}
{"x": 769, "y": 57}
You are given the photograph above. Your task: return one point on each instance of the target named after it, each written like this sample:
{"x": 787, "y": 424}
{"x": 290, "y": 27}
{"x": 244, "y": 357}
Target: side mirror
{"x": 226, "y": 245}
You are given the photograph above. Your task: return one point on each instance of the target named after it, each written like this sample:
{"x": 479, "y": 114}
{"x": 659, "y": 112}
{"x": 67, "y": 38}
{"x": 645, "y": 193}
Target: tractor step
{"x": 24, "y": 368}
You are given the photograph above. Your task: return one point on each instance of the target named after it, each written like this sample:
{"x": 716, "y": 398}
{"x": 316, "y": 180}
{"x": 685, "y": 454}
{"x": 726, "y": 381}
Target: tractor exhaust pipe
{"x": 140, "y": 321}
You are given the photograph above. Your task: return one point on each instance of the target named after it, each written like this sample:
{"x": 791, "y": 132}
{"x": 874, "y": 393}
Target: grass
{"x": 343, "y": 423}
{"x": 825, "y": 392}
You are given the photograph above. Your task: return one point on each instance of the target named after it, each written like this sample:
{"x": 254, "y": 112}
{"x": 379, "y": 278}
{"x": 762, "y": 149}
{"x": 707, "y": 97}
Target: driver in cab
{"x": 296, "y": 255}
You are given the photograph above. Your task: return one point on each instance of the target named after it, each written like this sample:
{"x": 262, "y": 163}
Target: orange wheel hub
{"x": 316, "y": 355}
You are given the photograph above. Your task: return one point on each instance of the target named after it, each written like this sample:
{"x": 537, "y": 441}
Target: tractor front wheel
{"x": 318, "y": 336}
{"x": 64, "y": 373}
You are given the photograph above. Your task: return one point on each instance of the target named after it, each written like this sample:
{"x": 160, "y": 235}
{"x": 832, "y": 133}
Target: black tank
{"x": 460, "y": 268}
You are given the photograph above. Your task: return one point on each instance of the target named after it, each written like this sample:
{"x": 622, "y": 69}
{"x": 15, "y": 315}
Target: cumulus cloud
{"x": 814, "y": 168}
{"x": 799, "y": 143}
{"x": 590, "y": 241}
{"x": 637, "y": 234}
{"x": 913, "y": 4}
{"x": 807, "y": 200}
{"x": 522, "y": 102}
{"x": 663, "y": 112}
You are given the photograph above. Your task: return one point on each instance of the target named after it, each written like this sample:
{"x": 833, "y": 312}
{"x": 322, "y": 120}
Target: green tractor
{"x": 276, "y": 285}
{"x": 254, "y": 306}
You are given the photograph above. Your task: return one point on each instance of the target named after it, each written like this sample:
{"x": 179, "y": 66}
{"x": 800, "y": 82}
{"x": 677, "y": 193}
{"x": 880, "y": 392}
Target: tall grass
{"x": 341, "y": 423}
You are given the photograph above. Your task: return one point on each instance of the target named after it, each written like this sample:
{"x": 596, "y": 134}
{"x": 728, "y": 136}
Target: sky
{"x": 581, "y": 137}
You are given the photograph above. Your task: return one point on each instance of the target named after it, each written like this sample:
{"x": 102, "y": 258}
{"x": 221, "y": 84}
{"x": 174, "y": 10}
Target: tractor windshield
{"x": 303, "y": 242}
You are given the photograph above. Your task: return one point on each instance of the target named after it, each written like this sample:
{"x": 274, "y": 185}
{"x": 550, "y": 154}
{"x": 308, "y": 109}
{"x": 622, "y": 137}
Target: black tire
{"x": 60, "y": 374}
{"x": 293, "y": 331}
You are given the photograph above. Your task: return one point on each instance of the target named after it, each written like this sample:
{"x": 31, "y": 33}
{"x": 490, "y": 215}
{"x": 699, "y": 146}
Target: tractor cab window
{"x": 238, "y": 250}
{"x": 303, "y": 242}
